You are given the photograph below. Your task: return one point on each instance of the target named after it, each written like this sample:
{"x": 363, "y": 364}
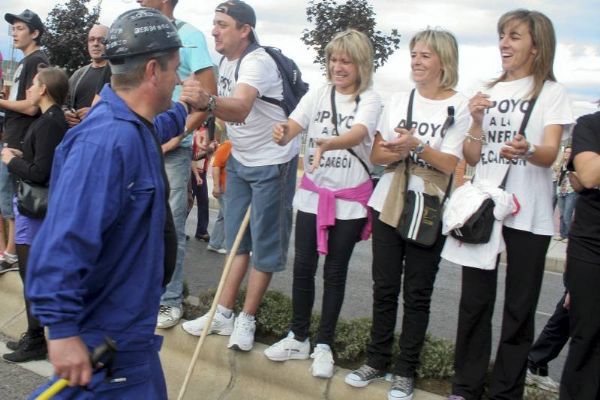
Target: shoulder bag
{"x": 421, "y": 218}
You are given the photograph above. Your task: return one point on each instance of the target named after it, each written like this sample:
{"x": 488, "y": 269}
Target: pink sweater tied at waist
{"x": 326, "y": 207}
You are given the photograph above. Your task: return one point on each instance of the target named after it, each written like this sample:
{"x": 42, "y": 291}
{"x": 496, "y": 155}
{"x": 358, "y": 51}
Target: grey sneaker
{"x": 541, "y": 381}
{"x": 363, "y": 376}
{"x": 402, "y": 388}
{"x": 168, "y": 316}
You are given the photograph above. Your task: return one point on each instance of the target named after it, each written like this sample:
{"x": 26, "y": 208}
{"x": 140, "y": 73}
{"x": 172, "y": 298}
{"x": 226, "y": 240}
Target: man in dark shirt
{"x": 87, "y": 81}
{"x": 27, "y": 30}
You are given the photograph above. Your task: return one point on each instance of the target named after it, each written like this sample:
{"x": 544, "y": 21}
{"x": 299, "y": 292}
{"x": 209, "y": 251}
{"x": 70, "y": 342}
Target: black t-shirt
{"x": 90, "y": 85}
{"x": 584, "y": 235}
{"x": 42, "y": 137}
{"x": 16, "y": 124}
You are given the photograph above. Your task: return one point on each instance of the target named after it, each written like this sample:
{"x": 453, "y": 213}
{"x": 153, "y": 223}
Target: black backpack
{"x": 293, "y": 85}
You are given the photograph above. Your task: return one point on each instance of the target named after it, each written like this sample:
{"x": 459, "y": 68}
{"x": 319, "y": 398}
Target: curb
{"x": 220, "y": 373}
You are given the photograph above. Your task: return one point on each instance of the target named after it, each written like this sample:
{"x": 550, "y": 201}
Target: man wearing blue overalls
{"x": 105, "y": 249}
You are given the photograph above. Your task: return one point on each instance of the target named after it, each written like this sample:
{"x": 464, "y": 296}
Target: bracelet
{"x": 477, "y": 139}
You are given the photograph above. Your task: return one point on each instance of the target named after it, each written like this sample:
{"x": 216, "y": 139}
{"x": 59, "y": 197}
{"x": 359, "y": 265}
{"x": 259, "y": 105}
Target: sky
{"x": 280, "y": 23}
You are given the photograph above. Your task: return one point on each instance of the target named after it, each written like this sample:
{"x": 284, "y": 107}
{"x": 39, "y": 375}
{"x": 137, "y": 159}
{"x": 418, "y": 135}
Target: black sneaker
{"x": 363, "y": 376}
{"x": 6, "y": 266}
{"x": 28, "y": 349}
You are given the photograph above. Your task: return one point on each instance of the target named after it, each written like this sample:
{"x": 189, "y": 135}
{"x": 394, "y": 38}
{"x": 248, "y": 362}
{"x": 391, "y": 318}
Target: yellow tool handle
{"x": 53, "y": 390}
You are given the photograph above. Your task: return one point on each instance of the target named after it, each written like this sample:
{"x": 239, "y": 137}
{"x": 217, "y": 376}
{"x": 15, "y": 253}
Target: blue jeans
{"x": 178, "y": 163}
{"x": 7, "y": 191}
{"x": 566, "y": 205}
{"x": 217, "y": 237}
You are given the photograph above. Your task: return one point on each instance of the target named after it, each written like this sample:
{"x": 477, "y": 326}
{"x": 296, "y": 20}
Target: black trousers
{"x": 551, "y": 341}
{"x": 342, "y": 239}
{"x": 526, "y": 256}
{"x": 581, "y": 375}
{"x": 393, "y": 257}
{"x": 33, "y": 324}
{"x": 200, "y": 192}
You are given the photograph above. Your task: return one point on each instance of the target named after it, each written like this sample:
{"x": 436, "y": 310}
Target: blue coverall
{"x": 96, "y": 266}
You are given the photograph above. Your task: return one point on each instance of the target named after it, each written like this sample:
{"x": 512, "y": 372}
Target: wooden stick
{"x": 213, "y": 307}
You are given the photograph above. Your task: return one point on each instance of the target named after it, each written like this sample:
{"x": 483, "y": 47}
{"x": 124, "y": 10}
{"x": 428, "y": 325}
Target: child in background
{"x": 220, "y": 157}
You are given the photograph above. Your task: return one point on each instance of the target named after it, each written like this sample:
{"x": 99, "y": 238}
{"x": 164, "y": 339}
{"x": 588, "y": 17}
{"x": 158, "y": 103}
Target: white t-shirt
{"x": 428, "y": 118}
{"x": 338, "y": 169}
{"x": 532, "y": 185}
{"x": 252, "y": 143}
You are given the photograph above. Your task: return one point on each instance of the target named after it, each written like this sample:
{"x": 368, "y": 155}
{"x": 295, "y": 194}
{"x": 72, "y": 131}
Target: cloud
{"x": 280, "y": 23}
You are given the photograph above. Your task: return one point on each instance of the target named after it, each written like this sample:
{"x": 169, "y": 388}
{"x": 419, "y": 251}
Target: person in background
{"x": 88, "y": 81}
{"x": 582, "y": 368}
{"x": 336, "y": 170}
{"x": 217, "y": 241}
{"x": 33, "y": 164}
{"x": 566, "y": 197}
{"x": 433, "y": 144}
{"x": 27, "y": 30}
{"x": 527, "y": 45}
{"x": 195, "y": 61}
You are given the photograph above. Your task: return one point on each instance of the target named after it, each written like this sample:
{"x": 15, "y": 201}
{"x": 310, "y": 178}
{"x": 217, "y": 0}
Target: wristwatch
{"x": 420, "y": 148}
{"x": 211, "y": 105}
{"x": 530, "y": 150}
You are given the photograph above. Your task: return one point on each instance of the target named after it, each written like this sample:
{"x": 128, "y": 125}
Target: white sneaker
{"x": 542, "y": 382}
{"x": 221, "y": 325}
{"x": 322, "y": 366}
{"x": 219, "y": 250}
{"x": 288, "y": 349}
{"x": 242, "y": 337}
{"x": 168, "y": 316}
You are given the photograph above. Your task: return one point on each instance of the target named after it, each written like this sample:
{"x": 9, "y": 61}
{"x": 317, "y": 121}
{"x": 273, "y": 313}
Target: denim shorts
{"x": 7, "y": 191}
{"x": 269, "y": 190}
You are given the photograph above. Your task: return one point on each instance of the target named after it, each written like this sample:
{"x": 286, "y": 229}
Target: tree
{"x": 67, "y": 28}
{"x": 329, "y": 18}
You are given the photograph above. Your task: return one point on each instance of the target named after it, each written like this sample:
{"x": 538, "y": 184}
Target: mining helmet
{"x": 135, "y": 35}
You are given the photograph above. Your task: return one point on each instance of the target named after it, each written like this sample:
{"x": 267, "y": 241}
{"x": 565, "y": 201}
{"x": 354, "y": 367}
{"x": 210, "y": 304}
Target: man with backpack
{"x": 260, "y": 173}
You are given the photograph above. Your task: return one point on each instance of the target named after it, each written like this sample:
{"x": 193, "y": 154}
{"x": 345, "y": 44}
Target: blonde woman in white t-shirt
{"x": 340, "y": 120}
{"x": 527, "y": 45}
{"x": 434, "y": 144}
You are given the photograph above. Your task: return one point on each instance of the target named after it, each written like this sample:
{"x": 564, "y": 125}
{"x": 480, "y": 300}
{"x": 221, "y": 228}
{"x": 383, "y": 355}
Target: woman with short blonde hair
{"x": 340, "y": 119}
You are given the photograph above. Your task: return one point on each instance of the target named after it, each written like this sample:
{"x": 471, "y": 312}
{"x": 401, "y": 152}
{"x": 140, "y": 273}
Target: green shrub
{"x": 352, "y": 336}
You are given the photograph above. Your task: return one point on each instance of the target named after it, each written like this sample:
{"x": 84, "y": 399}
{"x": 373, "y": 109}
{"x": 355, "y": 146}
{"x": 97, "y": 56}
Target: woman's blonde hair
{"x": 544, "y": 40}
{"x": 442, "y": 43}
{"x": 360, "y": 50}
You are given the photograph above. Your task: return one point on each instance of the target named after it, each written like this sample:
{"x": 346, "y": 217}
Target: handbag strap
{"x": 334, "y": 121}
{"x": 447, "y": 123}
{"x": 524, "y": 123}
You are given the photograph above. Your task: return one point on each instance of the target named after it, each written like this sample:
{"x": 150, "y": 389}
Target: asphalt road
{"x": 203, "y": 270}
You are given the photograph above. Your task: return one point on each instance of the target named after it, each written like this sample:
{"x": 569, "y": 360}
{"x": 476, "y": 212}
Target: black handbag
{"x": 478, "y": 228}
{"x": 421, "y": 219}
{"x": 32, "y": 199}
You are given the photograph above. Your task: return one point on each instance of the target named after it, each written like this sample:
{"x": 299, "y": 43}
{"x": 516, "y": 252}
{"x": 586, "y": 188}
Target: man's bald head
{"x": 95, "y": 43}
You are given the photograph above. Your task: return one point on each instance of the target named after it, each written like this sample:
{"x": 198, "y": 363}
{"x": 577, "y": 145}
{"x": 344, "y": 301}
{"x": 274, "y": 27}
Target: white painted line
{"x": 543, "y": 313}
{"x": 42, "y": 368}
